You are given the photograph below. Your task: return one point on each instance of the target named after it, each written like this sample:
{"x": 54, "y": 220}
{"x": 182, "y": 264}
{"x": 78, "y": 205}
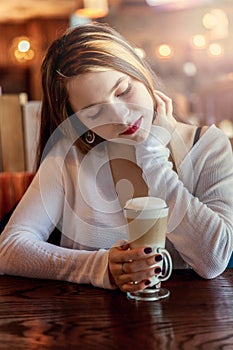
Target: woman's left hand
{"x": 164, "y": 112}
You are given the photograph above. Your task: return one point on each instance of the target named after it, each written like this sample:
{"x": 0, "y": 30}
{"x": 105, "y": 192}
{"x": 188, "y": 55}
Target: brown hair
{"x": 87, "y": 48}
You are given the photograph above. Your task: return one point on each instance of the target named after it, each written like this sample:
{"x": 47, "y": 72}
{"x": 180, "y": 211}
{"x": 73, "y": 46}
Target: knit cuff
{"x": 158, "y": 136}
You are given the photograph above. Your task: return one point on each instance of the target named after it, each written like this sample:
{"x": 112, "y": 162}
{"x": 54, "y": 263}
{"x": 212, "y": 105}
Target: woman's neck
{"x": 127, "y": 176}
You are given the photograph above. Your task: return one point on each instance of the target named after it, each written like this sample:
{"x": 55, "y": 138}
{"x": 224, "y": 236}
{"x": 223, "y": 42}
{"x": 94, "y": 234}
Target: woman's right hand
{"x": 131, "y": 269}
{"x": 164, "y": 110}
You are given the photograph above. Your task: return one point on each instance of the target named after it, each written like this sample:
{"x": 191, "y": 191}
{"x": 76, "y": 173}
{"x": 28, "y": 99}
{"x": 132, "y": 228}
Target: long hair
{"x": 87, "y": 48}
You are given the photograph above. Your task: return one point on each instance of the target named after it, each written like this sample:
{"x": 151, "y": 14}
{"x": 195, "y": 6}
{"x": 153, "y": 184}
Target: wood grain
{"x": 39, "y": 314}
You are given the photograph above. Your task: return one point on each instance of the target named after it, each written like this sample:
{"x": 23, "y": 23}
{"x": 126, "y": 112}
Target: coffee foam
{"x": 146, "y": 208}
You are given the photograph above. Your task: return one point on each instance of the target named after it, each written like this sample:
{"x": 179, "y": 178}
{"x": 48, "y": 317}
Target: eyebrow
{"x": 112, "y": 89}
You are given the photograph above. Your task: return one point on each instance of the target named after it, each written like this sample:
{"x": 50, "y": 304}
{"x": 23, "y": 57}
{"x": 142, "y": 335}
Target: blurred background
{"x": 188, "y": 43}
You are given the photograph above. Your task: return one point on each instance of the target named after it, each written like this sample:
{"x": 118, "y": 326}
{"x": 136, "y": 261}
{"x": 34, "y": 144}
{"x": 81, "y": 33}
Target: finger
{"x": 116, "y": 261}
{"x": 164, "y": 99}
{"x": 123, "y": 244}
{"x": 142, "y": 264}
{"x": 135, "y": 254}
{"x": 160, "y": 106}
{"x": 119, "y": 255}
{"x": 135, "y": 287}
{"x": 139, "y": 275}
{"x": 136, "y": 273}
{"x": 132, "y": 265}
{"x": 141, "y": 284}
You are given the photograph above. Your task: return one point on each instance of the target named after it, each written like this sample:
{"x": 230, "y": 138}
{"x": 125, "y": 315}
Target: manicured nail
{"x": 157, "y": 270}
{"x": 158, "y": 258}
{"x": 147, "y": 283}
{"x": 148, "y": 250}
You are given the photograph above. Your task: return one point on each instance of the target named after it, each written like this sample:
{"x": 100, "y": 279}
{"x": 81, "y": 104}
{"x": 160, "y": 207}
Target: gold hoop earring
{"x": 89, "y": 137}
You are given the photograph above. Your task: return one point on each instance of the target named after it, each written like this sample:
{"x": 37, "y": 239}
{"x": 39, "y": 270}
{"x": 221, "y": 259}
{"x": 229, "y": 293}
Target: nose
{"x": 119, "y": 113}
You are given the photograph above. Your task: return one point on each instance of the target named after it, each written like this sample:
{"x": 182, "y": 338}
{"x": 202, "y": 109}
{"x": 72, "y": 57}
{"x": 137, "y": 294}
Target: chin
{"x": 141, "y": 136}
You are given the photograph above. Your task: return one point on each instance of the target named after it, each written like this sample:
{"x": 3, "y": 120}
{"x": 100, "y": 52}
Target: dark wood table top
{"x": 42, "y": 314}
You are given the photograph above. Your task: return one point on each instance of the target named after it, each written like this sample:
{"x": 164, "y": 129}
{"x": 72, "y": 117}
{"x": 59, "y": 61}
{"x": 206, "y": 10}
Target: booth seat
{"x": 12, "y": 187}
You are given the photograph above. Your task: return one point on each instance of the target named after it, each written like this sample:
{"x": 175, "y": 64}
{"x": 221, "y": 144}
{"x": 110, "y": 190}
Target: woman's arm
{"x": 24, "y": 249}
{"x": 200, "y": 221}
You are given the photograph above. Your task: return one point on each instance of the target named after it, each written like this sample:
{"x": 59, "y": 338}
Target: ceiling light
{"x": 92, "y": 8}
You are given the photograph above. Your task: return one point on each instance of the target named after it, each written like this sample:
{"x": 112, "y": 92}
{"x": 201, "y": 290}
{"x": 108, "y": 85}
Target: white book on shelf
{"x": 31, "y": 121}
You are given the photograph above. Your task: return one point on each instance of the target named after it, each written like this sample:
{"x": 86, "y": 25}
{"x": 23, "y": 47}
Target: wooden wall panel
{"x": 11, "y": 134}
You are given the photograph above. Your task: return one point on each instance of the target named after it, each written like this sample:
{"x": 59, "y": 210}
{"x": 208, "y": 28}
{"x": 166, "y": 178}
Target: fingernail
{"x": 147, "y": 283}
{"x": 158, "y": 258}
{"x": 148, "y": 250}
{"x": 157, "y": 270}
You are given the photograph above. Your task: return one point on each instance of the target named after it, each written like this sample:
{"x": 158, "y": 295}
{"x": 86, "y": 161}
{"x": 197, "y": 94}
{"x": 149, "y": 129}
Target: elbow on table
{"x": 212, "y": 270}
{"x": 213, "y": 263}
{"x": 4, "y": 264}
{"x": 7, "y": 257}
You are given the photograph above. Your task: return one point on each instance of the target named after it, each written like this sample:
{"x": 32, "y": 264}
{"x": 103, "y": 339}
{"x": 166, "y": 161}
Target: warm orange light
{"x": 24, "y": 56}
{"x": 164, "y": 51}
{"x": 30, "y": 55}
{"x": 19, "y": 55}
{"x": 91, "y": 13}
{"x": 21, "y": 49}
{"x": 24, "y": 45}
{"x": 92, "y": 8}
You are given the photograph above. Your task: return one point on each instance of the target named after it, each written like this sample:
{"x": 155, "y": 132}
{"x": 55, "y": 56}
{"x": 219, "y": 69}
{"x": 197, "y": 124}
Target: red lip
{"x": 133, "y": 128}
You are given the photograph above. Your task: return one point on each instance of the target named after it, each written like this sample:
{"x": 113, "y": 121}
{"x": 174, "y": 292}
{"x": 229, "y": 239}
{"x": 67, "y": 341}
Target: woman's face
{"x": 112, "y": 104}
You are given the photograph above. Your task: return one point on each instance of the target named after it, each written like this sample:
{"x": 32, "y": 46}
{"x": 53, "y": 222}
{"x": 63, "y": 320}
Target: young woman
{"x": 107, "y": 134}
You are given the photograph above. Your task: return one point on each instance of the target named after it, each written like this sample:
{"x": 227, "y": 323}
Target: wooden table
{"x": 41, "y": 314}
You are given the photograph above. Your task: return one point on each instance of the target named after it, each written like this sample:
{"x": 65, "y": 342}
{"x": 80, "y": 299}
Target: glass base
{"x": 149, "y": 294}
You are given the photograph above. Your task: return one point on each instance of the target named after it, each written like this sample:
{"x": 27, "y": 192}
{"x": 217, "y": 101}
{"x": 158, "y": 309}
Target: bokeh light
{"x": 164, "y": 51}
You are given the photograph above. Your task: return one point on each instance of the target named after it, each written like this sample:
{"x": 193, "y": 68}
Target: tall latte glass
{"x": 147, "y": 226}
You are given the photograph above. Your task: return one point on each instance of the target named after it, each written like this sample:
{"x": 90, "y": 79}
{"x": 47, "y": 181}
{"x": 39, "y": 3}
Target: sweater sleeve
{"x": 200, "y": 220}
{"x": 24, "y": 249}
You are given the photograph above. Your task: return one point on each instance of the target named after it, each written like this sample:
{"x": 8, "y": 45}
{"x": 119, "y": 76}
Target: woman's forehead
{"x": 92, "y": 87}
{"x": 103, "y": 80}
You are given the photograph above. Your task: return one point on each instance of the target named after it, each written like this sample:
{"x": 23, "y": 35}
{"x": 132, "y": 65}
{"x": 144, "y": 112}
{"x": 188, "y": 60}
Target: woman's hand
{"x": 164, "y": 112}
{"x": 131, "y": 269}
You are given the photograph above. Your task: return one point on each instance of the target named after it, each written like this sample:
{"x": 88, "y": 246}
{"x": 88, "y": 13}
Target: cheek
{"x": 144, "y": 99}
{"x": 92, "y": 123}
{"x": 104, "y": 131}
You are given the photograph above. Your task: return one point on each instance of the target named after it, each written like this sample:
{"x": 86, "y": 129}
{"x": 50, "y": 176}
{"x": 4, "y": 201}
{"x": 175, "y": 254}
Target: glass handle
{"x": 167, "y": 260}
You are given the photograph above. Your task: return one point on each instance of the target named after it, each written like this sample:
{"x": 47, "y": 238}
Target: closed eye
{"x": 96, "y": 115}
{"x": 92, "y": 112}
{"x": 126, "y": 91}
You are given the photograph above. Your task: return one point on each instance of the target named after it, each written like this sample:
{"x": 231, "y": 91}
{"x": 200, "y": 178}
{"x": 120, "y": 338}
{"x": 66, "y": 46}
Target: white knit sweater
{"x": 78, "y": 195}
